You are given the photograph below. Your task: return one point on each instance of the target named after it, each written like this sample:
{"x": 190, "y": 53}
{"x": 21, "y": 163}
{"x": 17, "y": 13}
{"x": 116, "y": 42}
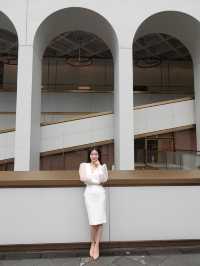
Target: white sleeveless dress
{"x": 94, "y": 194}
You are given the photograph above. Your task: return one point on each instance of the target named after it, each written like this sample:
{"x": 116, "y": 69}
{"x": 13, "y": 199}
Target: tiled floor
{"x": 149, "y": 257}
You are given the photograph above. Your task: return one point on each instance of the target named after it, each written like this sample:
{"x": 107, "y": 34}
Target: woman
{"x": 93, "y": 173}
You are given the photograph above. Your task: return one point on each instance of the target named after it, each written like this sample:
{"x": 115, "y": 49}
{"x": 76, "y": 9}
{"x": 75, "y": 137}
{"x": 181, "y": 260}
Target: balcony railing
{"x": 179, "y": 159}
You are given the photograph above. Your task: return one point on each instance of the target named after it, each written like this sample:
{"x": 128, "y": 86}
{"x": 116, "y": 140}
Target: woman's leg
{"x": 98, "y": 235}
{"x": 92, "y": 233}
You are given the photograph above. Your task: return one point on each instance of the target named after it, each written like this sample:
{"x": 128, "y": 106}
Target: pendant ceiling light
{"x": 148, "y": 62}
{"x": 79, "y": 61}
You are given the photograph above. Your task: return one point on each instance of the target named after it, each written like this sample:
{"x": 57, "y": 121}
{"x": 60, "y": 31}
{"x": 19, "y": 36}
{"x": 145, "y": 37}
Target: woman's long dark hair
{"x": 99, "y": 154}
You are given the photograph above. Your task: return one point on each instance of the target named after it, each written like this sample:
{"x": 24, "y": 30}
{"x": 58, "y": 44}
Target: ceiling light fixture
{"x": 147, "y": 62}
{"x": 79, "y": 61}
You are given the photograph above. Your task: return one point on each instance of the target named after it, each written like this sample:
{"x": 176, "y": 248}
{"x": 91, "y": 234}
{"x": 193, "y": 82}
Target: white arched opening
{"x": 8, "y": 90}
{"x": 65, "y": 20}
{"x": 183, "y": 29}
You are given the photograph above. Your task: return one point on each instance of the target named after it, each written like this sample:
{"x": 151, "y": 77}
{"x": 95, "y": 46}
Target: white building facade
{"x": 56, "y": 214}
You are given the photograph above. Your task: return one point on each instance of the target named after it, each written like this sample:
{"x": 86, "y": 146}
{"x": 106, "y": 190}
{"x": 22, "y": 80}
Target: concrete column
{"x": 28, "y": 106}
{"x": 196, "y": 69}
{"x": 123, "y": 110}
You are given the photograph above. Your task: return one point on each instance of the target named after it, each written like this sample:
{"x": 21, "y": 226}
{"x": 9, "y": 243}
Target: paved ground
{"x": 148, "y": 257}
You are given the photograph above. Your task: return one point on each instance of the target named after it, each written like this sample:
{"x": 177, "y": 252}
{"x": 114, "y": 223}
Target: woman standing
{"x": 93, "y": 173}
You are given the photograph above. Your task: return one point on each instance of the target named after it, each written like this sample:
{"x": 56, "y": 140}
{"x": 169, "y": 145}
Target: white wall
{"x": 154, "y": 213}
{"x": 81, "y": 102}
{"x": 164, "y": 116}
{"x": 58, "y": 215}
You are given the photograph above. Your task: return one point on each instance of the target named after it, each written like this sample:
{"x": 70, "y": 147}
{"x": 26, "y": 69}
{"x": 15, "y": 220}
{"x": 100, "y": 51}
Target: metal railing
{"x": 179, "y": 159}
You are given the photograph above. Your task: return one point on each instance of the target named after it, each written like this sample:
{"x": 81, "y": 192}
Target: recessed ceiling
{"x": 68, "y": 44}
{"x": 162, "y": 46}
{"x": 156, "y": 45}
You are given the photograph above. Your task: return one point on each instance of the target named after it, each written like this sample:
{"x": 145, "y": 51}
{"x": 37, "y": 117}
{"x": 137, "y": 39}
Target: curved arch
{"x": 180, "y": 25}
{"x": 66, "y": 20}
{"x": 63, "y": 20}
{"x": 9, "y": 34}
{"x": 7, "y": 23}
{"x": 186, "y": 29}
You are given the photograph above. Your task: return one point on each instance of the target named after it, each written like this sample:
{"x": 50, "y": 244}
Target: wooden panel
{"x": 119, "y": 178}
{"x": 70, "y": 160}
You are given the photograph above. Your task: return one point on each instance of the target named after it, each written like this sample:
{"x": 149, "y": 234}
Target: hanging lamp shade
{"x": 79, "y": 61}
{"x": 148, "y": 62}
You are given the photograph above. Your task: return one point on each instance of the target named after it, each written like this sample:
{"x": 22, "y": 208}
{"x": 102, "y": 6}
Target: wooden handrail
{"x": 6, "y": 130}
{"x": 63, "y": 178}
{"x": 163, "y": 131}
{"x": 163, "y": 102}
{"x": 76, "y": 118}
